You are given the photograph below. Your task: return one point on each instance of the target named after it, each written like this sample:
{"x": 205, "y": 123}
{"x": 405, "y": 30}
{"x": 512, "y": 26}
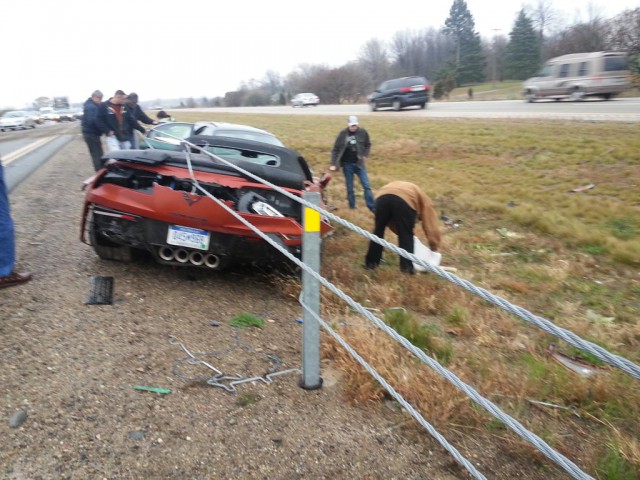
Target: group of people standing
{"x": 117, "y": 119}
{"x": 398, "y": 205}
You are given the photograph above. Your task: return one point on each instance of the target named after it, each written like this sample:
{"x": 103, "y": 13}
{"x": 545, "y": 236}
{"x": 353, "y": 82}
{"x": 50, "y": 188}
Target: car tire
{"x": 396, "y": 105}
{"x": 530, "y": 97}
{"x": 373, "y": 106}
{"x": 577, "y": 95}
{"x": 423, "y": 106}
{"x": 107, "y": 250}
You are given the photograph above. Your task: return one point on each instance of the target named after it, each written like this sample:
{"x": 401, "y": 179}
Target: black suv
{"x": 400, "y": 92}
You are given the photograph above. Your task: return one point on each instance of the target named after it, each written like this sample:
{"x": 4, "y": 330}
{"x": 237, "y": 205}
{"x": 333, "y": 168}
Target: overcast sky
{"x": 204, "y": 48}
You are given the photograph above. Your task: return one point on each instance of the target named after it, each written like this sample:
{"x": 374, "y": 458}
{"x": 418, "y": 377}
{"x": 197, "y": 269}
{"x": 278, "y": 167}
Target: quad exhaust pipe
{"x": 194, "y": 257}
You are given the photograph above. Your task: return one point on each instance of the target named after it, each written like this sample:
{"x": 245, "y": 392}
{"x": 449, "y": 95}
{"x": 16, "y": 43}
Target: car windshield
{"x": 171, "y": 131}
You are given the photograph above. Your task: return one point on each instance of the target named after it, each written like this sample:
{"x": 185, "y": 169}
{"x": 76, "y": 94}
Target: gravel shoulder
{"x": 73, "y": 368}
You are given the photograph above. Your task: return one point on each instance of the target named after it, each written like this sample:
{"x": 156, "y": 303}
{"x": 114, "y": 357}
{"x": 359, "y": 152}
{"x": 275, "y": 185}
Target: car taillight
{"x": 414, "y": 88}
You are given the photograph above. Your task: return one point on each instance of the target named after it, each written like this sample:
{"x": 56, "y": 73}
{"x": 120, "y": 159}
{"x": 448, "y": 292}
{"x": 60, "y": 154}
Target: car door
{"x": 383, "y": 98}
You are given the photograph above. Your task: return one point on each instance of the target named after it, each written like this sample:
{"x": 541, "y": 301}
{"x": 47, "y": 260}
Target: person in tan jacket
{"x": 399, "y": 205}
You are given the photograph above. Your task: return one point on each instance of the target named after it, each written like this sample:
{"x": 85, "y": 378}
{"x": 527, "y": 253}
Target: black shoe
{"x": 370, "y": 266}
{"x": 408, "y": 271}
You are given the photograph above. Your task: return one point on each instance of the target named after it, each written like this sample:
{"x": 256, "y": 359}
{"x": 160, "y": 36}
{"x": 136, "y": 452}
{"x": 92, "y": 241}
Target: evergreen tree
{"x": 521, "y": 57}
{"x": 469, "y": 59}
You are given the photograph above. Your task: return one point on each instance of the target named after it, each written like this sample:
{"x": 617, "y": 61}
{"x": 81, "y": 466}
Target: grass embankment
{"x": 571, "y": 257}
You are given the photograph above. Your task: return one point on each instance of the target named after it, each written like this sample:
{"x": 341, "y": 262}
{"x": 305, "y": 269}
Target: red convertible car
{"x": 147, "y": 200}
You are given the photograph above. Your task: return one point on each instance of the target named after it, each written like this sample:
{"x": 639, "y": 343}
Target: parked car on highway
{"x": 35, "y": 116}
{"x": 399, "y": 93}
{"x": 147, "y": 201}
{"x": 15, "y": 120}
{"x": 48, "y": 113}
{"x": 66, "y": 115}
{"x": 580, "y": 75}
{"x": 305, "y": 100}
{"x": 167, "y": 136}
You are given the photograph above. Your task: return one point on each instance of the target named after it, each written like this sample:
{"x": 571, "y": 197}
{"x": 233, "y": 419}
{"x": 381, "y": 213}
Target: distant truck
{"x": 580, "y": 75}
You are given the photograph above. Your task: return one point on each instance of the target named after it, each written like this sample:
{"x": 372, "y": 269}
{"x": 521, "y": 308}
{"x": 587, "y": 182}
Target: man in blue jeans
{"x": 8, "y": 277}
{"x": 351, "y": 148}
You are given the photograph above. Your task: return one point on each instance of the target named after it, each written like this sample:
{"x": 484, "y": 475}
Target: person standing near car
{"x": 8, "y": 276}
{"x": 115, "y": 122}
{"x": 90, "y": 130}
{"x": 351, "y": 148}
{"x": 164, "y": 117}
{"x": 398, "y": 205}
{"x": 139, "y": 116}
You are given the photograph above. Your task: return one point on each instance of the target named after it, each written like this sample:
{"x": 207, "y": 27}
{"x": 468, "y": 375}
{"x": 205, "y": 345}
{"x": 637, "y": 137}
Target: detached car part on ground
{"x": 146, "y": 201}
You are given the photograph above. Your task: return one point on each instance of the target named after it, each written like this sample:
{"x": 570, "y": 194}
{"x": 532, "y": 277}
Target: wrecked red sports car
{"x": 146, "y": 200}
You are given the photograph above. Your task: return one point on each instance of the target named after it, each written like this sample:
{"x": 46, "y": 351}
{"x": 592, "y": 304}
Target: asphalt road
{"x": 619, "y": 109}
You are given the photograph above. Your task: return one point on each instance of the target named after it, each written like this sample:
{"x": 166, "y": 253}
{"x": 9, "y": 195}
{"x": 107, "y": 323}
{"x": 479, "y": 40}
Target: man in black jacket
{"x": 116, "y": 122}
{"x": 90, "y": 130}
{"x": 351, "y": 148}
{"x": 139, "y": 116}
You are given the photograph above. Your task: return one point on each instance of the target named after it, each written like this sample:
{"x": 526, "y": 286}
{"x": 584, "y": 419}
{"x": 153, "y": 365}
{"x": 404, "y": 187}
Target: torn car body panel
{"x": 147, "y": 200}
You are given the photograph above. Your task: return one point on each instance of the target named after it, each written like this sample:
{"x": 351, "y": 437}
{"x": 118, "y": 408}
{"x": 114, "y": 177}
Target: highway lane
{"x": 23, "y": 151}
{"x": 618, "y": 109}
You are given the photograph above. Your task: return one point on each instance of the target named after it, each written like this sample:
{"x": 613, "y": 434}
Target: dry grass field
{"x": 525, "y": 235}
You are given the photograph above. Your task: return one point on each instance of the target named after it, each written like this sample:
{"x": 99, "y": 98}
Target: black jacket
{"x": 363, "y": 145}
{"x": 107, "y": 121}
{"x": 140, "y": 116}
{"x": 89, "y": 116}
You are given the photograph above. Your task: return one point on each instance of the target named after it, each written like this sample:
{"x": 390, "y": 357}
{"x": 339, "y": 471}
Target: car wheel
{"x": 577, "y": 95}
{"x": 107, "y": 250}
{"x": 373, "y": 106}
{"x": 396, "y": 105}
{"x": 530, "y": 97}
{"x": 423, "y": 106}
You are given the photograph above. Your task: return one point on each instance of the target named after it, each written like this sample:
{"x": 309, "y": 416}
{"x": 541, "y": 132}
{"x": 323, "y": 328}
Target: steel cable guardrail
{"x": 512, "y": 423}
{"x": 596, "y": 350}
{"x": 408, "y": 407}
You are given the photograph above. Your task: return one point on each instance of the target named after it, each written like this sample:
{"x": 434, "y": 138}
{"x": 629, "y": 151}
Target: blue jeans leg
{"x": 348, "y": 170}
{"x": 368, "y": 194}
{"x": 7, "y": 240}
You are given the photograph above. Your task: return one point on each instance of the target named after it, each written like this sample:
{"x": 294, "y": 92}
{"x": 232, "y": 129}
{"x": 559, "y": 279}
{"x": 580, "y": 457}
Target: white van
{"x": 580, "y": 75}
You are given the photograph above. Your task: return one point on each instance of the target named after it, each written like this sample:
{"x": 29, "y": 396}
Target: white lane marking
{"x": 7, "y": 159}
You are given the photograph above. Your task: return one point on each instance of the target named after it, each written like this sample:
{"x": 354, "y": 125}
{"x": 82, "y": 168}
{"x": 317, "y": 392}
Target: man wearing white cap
{"x": 351, "y": 148}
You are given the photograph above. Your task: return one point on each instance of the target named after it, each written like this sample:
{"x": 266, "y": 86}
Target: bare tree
{"x": 623, "y": 32}
{"x": 544, "y": 17}
{"x": 374, "y": 60}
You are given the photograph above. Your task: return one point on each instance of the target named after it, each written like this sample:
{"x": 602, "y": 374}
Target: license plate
{"x": 188, "y": 237}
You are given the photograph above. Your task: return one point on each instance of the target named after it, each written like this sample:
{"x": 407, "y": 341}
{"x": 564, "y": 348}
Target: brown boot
{"x": 15, "y": 278}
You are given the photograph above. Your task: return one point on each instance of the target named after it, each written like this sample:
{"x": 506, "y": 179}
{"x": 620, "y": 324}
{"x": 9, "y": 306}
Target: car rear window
{"x": 615, "y": 64}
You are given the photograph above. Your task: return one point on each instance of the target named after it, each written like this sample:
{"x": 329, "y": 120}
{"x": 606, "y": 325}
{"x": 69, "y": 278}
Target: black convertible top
{"x": 291, "y": 171}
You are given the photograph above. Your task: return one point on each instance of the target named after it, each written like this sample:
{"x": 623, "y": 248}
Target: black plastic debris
{"x": 101, "y": 292}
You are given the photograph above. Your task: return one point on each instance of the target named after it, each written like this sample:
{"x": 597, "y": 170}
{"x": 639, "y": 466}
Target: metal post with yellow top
{"x": 311, "y": 240}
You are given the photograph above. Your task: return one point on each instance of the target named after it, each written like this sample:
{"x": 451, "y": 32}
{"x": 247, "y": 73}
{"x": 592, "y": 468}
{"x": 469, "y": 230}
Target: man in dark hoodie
{"x": 139, "y": 116}
{"x": 90, "y": 130}
{"x": 116, "y": 122}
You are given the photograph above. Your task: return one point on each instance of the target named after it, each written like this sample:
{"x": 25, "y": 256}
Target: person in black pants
{"x": 90, "y": 131}
{"x": 398, "y": 206}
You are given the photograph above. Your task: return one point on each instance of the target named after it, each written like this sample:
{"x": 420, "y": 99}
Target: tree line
{"x": 452, "y": 56}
